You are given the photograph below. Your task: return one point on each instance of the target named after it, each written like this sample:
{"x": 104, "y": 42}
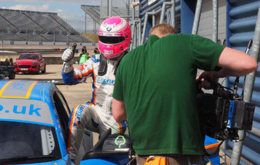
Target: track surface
{"x": 74, "y": 94}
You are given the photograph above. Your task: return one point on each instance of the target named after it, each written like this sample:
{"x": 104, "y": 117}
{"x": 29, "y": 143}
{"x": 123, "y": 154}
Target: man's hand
{"x": 67, "y": 57}
{"x": 208, "y": 79}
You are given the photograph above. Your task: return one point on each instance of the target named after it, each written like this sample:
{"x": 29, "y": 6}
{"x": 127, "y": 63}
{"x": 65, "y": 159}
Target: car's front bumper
{"x": 27, "y": 68}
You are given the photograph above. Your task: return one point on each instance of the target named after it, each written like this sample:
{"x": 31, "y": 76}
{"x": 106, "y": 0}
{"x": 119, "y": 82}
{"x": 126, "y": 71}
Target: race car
{"x": 34, "y": 119}
{"x": 33, "y": 123}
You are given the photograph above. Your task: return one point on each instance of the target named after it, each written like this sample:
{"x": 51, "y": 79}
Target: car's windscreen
{"x": 28, "y": 56}
{"x": 27, "y": 140}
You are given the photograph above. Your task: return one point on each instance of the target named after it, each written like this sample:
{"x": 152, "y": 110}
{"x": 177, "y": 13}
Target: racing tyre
{"x": 44, "y": 70}
{"x": 39, "y": 70}
{"x": 11, "y": 75}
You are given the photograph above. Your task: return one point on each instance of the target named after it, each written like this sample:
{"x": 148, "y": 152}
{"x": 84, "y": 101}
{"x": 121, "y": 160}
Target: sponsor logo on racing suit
{"x": 78, "y": 115}
{"x": 105, "y": 81}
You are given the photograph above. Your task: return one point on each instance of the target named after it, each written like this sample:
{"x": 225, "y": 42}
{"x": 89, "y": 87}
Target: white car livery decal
{"x": 25, "y": 110}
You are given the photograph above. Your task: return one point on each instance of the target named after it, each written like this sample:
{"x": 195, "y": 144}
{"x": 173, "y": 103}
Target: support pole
{"x": 133, "y": 12}
{"x": 139, "y": 32}
{"x": 197, "y": 17}
{"x": 95, "y": 26}
{"x": 109, "y": 8}
{"x": 173, "y": 13}
{"x": 248, "y": 90}
{"x": 162, "y": 13}
{"x": 134, "y": 37}
{"x": 133, "y": 28}
{"x": 153, "y": 20}
{"x": 215, "y": 20}
{"x": 144, "y": 27}
{"x": 85, "y": 22}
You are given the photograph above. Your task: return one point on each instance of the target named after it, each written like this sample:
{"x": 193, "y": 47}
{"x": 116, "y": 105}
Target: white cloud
{"x": 77, "y": 22}
{"x": 74, "y": 20}
{"x": 44, "y": 7}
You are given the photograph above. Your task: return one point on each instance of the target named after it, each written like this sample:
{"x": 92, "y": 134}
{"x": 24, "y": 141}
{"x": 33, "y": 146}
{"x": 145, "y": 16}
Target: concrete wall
{"x": 52, "y": 54}
{"x": 56, "y": 60}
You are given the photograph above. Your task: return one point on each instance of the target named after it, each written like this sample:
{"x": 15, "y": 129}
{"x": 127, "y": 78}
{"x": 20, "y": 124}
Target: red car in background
{"x": 30, "y": 63}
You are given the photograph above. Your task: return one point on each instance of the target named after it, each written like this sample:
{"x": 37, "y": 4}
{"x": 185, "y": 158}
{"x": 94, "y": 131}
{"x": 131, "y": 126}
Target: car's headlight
{"x": 35, "y": 62}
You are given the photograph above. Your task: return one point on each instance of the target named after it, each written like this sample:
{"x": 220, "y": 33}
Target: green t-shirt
{"x": 156, "y": 81}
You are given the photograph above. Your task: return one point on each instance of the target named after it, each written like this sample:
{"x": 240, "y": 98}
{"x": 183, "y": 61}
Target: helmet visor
{"x": 111, "y": 39}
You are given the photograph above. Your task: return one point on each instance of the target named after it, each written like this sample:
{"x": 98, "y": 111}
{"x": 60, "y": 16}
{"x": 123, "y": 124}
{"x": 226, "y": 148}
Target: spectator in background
{"x": 96, "y": 51}
{"x": 84, "y": 56}
{"x": 155, "y": 90}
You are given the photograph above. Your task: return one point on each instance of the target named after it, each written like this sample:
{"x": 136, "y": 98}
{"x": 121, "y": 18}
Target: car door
{"x": 63, "y": 111}
{"x": 64, "y": 114}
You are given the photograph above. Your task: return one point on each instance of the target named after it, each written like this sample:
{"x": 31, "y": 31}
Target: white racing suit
{"x": 95, "y": 115}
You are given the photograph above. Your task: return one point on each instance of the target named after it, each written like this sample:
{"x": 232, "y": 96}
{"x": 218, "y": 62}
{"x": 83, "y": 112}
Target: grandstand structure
{"x": 100, "y": 12}
{"x": 32, "y": 26}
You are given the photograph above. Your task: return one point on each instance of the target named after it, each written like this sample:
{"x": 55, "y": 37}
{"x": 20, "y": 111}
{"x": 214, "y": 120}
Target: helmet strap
{"x": 102, "y": 70}
{"x": 120, "y": 58}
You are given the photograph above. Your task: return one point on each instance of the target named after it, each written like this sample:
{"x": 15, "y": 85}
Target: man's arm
{"x": 233, "y": 63}
{"x": 236, "y": 63}
{"x": 118, "y": 110}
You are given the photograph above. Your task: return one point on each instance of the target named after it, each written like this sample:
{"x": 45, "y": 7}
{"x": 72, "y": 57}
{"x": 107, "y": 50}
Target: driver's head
{"x": 114, "y": 37}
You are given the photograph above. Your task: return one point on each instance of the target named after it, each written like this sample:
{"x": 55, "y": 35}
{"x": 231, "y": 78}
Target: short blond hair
{"x": 162, "y": 29}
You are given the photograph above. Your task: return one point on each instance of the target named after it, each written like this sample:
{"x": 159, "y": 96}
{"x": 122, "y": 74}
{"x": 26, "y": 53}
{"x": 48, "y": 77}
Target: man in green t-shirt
{"x": 155, "y": 91}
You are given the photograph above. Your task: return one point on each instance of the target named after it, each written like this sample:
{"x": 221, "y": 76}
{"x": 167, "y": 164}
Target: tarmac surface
{"x": 74, "y": 94}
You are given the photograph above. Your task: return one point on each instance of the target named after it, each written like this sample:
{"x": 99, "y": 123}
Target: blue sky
{"x": 69, "y": 10}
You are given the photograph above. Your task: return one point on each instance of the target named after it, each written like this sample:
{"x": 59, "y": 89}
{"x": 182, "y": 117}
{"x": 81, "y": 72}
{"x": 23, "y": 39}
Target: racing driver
{"x": 114, "y": 38}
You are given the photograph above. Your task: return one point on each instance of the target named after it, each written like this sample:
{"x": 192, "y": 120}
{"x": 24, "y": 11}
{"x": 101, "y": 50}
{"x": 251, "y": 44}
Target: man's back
{"x": 159, "y": 92}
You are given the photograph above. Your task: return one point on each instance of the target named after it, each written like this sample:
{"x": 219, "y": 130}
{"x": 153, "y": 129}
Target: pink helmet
{"x": 114, "y": 36}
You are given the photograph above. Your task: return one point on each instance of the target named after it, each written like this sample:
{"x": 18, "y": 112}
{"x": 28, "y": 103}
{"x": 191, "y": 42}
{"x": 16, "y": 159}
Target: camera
{"x": 223, "y": 113}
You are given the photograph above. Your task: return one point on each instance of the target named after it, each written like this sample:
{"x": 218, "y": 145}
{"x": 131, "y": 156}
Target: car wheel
{"x": 39, "y": 70}
{"x": 44, "y": 70}
{"x": 11, "y": 75}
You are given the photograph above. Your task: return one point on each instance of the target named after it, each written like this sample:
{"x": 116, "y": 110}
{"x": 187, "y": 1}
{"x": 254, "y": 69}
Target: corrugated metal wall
{"x": 206, "y": 20}
{"x": 241, "y": 22}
